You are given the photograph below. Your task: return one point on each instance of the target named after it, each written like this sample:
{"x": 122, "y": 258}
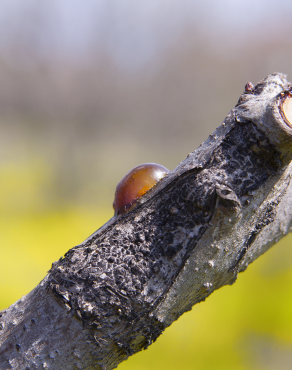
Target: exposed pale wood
{"x": 287, "y": 110}
{"x": 220, "y": 209}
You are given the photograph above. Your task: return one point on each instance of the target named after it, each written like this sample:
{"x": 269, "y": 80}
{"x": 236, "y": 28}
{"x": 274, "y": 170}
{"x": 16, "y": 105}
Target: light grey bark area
{"x": 206, "y": 221}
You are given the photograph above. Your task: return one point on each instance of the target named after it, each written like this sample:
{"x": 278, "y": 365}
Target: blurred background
{"x": 90, "y": 89}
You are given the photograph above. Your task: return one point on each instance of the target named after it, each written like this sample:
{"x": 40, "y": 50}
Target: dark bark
{"x": 221, "y": 208}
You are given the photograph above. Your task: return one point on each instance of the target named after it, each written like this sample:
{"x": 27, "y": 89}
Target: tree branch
{"x": 220, "y": 209}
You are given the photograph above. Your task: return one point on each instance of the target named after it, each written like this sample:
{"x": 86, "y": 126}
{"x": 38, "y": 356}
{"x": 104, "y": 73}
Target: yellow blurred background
{"x": 90, "y": 89}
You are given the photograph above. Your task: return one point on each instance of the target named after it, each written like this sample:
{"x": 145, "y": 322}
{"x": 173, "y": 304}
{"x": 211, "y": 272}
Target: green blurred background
{"x": 90, "y": 89}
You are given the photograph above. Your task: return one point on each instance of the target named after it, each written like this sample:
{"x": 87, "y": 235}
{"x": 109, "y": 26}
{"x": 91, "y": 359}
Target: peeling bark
{"x": 206, "y": 221}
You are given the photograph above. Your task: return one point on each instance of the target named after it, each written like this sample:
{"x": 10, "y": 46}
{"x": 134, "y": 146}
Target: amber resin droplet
{"x": 136, "y": 183}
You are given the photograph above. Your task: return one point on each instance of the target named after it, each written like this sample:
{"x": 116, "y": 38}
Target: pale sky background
{"x": 133, "y": 31}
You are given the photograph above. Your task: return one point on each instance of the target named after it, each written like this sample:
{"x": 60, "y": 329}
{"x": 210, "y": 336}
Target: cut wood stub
{"x": 204, "y": 222}
{"x": 150, "y": 262}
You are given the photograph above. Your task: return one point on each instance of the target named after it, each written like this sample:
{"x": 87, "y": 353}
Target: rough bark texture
{"x": 221, "y": 208}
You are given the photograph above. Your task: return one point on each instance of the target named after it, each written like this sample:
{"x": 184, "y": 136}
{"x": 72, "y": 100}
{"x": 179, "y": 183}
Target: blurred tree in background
{"x": 90, "y": 89}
